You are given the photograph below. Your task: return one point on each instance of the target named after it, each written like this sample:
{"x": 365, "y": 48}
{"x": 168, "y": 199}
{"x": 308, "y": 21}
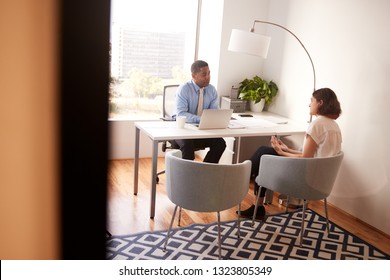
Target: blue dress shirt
{"x": 187, "y": 100}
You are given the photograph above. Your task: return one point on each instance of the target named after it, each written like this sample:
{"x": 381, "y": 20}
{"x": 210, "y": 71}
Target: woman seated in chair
{"x": 322, "y": 139}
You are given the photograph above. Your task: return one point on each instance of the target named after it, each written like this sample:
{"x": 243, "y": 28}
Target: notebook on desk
{"x": 215, "y": 118}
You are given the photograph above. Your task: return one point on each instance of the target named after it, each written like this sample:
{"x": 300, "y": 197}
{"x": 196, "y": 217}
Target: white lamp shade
{"x": 249, "y": 43}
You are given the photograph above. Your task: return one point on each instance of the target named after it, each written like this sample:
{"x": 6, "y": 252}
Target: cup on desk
{"x": 180, "y": 121}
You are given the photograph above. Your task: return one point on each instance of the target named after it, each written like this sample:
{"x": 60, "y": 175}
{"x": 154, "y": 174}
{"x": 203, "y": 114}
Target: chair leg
{"x": 169, "y": 230}
{"x": 238, "y": 220}
{"x": 303, "y": 223}
{"x": 287, "y": 203}
{"x": 159, "y": 173}
{"x": 219, "y": 235}
{"x": 268, "y": 197}
{"x": 256, "y": 206}
{"x": 326, "y": 215}
{"x": 178, "y": 223}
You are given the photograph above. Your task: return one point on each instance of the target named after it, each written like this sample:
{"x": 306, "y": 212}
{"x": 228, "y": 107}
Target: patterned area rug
{"x": 275, "y": 239}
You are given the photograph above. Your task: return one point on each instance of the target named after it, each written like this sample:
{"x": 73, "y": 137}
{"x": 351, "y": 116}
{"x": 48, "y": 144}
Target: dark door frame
{"x": 84, "y": 82}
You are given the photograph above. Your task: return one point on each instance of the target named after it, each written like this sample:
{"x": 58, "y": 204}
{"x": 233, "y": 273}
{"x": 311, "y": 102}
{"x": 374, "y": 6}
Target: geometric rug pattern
{"x": 275, "y": 238}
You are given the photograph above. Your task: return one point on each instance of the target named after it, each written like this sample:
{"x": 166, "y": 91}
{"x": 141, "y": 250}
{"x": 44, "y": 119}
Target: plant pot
{"x": 257, "y": 107}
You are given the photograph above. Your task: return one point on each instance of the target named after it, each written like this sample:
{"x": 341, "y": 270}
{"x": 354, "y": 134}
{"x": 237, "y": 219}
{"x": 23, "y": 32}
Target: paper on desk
{"x": 251, "y": 123}
{"x": 234, "y": 124}
{"x": 277, "y": 120}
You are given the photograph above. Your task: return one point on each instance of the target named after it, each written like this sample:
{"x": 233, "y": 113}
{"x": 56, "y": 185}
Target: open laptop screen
{"x": 215, "y": 118}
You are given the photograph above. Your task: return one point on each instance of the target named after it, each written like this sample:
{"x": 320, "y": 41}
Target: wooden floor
{"x": 129, "y": 213}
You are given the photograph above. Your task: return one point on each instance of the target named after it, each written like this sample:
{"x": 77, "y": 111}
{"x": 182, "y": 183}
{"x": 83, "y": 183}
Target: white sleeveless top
{"x": 327, "y": 135}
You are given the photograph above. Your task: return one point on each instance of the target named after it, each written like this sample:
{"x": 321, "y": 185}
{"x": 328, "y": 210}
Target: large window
{"x": 152, "y": 45}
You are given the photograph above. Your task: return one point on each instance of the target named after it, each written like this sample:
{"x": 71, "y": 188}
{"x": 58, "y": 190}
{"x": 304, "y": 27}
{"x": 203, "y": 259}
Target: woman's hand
{"x": 278, "y": 145}
{"x": 283, "y": 146}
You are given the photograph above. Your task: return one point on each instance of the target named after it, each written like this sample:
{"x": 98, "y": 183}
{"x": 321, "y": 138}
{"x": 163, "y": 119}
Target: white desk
{"x": 269, "y": 124}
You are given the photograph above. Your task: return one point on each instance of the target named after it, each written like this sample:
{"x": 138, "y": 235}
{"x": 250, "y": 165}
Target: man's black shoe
{"x": 248, "y": 213}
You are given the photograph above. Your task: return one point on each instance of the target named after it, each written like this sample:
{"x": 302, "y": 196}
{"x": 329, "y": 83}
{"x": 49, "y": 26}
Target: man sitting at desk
{"x": 191, "y": 98}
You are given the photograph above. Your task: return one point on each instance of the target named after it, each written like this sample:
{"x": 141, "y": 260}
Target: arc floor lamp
{"x": 256, "y": 44}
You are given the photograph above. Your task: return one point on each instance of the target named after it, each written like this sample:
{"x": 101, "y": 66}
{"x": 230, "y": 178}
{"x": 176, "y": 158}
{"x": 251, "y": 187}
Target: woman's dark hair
{"x": 195, "y": 67}
{"x": 330, "y": 105}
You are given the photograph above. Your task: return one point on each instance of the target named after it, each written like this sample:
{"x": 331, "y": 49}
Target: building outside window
{"x": 152, "y": 45}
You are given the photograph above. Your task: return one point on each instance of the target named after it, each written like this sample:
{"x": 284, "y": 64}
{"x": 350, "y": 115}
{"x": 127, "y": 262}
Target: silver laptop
{"x": 215, "y": 118}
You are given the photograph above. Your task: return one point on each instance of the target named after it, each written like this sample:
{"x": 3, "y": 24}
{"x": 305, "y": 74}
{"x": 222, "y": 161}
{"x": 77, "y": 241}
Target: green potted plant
{"x": 257, "y": 91}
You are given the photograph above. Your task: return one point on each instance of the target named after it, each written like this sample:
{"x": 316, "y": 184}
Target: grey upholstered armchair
{"x": 304, "y": 178}
{"x": 205, "y": 187}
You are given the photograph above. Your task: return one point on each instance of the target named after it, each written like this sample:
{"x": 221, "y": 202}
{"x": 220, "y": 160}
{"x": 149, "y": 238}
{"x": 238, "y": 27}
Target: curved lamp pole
{"x": 295, "y": 36}
{"x": 257, "y": 44}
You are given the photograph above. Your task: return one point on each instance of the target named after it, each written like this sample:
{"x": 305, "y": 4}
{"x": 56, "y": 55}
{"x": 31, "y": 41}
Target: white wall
{"x": 217, "y": 20}
{"x": 122, "y": 141}
{"x": 210, "y": 36}
{"x": 234, "y": 67}
{"x": 349, "y": 42}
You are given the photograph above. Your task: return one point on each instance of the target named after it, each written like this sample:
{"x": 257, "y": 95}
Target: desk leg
{"x": 237, "y": 148}
{"x": 154, "y": 180}
{"x": 136, "y": 160}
